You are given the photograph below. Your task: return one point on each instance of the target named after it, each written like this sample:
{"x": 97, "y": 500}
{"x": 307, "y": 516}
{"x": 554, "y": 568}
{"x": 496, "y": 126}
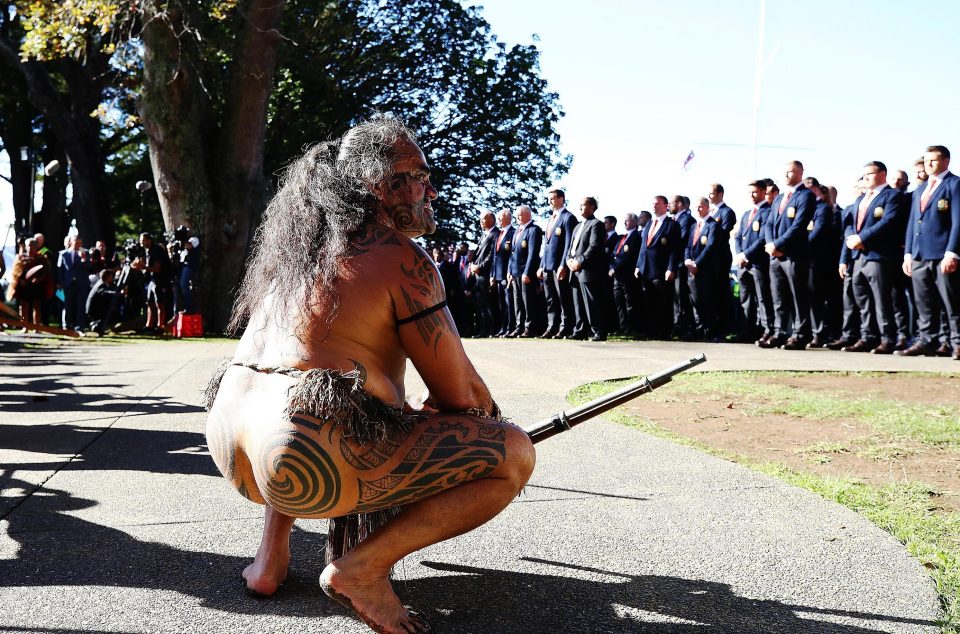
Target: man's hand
{"x": 769, "y": 248}
{"x": 948, "y": 265}
{"x": 842, "y": 270}
{"x": 907, "y": 265}
{"x": 636, "y": 273}
{"x": 493, "y": 282}
{"x": 610, "y": 273}
{"x": 562, "y": 273}
{"x": 474, "y": 269}
{"x": 525, "y": 278}
{"x": 573, "y": 264}
{"x": 854, "y": 242}
{"x": 742, "y": 260}
{"x": 509, "y": 279}
{"x": 691, "y": 267}
{"x": 670, "y": 276}
{"x": 540, "y": 274}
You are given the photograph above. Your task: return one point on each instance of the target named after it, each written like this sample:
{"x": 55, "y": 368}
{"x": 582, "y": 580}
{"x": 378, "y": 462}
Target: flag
{"x": 688, "y": 160}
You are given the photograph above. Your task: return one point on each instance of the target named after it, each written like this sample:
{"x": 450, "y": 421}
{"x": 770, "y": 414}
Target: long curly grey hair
{"x": 325, "y": 199}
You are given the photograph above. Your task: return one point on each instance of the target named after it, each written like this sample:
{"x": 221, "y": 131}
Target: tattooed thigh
{"x": 296, "y": 468}
{"x": 231, "y": 459}
{"x": 440, "y": 453}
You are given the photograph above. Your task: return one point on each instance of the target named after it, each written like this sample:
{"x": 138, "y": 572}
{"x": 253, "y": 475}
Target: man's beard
{"x": 413, "y": 219}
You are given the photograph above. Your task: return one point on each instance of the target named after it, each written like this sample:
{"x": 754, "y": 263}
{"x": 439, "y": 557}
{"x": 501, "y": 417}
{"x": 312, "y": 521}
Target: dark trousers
{"x": 703, "y": 287}
{"x": 483, "y": 301}
{"x": 756, "y": 303}
{"x": 788, "y": 287}
{"x": 75, "y": 304}
{"x": 931, "y": 288}
{"x": 626, "y": 297}
{"x": 504, "y": 297}
{"x": 726, "y": 311}
{"x": 850, "y": 328}
{"x": 902, "y": 292}
{"x": 659, "y": 304}
{"x": 559, "y": 299}
{"x": 588, "y": 306}
{"x": 871, "y": 287}
{"x": 822, "y": 286}
{"x": 525, "y": 305}
{"x": 682, "y": 306}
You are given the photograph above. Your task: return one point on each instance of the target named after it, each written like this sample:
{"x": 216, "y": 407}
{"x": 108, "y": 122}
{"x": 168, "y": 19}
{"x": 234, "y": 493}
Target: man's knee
{"x": 521, "y": 456}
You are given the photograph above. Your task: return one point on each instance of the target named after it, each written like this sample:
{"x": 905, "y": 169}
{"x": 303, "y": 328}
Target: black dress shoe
{"x": 526, "y": 334}
{"x": 885, "y": 347}
{"x": 839, "y": 344}
{"x": 859, "y": 346}
{"x": 944, "y": 350}
{"x": 956, "y": 353}
{"x": 816, "y": 343}
{"x": 549, "y": 334}
{"x": 902, "y": 344}
{"x": 763, "y": 337}
{"x": 794, "y": 343}
{"x": 513, "y": 334}
{"x": 598, "y": 338}
{"x": 772, "y": 342}
{"x": 577, "y": 336}
{"x": 919, "y": 349}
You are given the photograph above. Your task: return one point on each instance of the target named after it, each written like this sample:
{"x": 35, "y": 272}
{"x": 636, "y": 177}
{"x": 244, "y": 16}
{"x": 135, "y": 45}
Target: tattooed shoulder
{"x": 422, "y": 296}
{"x": 371, "y": 236}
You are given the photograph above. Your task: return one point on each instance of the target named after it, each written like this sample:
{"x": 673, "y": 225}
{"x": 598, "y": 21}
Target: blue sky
{"x": 643, "y": 83}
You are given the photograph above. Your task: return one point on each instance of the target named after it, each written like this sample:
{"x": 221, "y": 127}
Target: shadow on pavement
{"x": 463, "y": 599}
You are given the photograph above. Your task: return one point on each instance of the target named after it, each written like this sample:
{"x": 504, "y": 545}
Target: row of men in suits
{"x": 879, "y": 275}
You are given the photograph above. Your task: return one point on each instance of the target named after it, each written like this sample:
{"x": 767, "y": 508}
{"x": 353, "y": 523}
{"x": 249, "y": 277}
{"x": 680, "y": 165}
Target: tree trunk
{"x": 241, "y": 183}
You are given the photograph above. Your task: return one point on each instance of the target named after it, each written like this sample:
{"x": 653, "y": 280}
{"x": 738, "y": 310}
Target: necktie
{"x": 620, "y": 244}
{"x": 653, "y": 230}
{"x": 696, "y": 234}
{"x": 862, "y": 209}
{"x": 503, "y": 234}
{"x": 783, "y": 203}
{"x": 753, "y": 214}
{"x": 928, "y": 193}
{"x": 553, "y": 223}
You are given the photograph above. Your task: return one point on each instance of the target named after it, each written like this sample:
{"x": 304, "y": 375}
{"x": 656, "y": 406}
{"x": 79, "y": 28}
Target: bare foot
{"x": 373, "y": 599}
{"x": 267, "y": 572}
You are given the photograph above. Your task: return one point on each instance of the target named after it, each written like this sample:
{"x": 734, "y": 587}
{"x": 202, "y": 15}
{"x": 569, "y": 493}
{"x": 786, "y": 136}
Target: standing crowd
{"x": 140, "y": 287}
{"x": 800, "y": 272}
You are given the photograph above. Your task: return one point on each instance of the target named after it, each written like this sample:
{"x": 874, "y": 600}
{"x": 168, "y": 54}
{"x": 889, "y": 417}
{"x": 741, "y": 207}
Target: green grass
{"x": 904, "y": 510}
{"x": 933, "y": 425}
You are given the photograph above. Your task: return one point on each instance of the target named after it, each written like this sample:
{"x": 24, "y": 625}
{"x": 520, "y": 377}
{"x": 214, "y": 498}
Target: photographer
{"x": 103, "y": 303}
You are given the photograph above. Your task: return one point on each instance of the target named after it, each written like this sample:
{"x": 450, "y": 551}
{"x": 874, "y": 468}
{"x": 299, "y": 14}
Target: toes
{"x": 417, "y": 624}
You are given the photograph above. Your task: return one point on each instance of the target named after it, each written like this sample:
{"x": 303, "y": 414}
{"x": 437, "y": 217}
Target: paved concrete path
{"x": 113, "y": 518}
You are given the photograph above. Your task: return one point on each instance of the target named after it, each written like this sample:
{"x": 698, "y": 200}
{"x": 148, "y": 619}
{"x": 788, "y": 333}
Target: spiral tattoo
{"x": 296, "y": 473}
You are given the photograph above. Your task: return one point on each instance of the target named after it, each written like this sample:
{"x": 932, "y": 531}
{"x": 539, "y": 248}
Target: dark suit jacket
{"x": 937, "y": 229}
{"x": 611, "y": 244}
{"x": 625, "y": 253}
{"x": 881, "y": 230}
{"x": 704, "y": 249}
{"x": 749, "y": 238}
{"x": 846, "y": 224}
{"x": 662, "y": 252}
{"x": 726, "y": 223}
{"x": 501, "y": 253}
{"x": 589, "y": 251}
{"x": 557, "y": 240}
{"x": 788, "y": 230}
{"x": 525, "y": 252}
{"x": 70, "y": 269}
{"x": 821, "y": 236}
{"x": 687, "y": 224}
{"x": 484, "y": 256}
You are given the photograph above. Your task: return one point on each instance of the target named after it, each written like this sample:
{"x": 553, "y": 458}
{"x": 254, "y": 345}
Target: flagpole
{"x": 758, "y": 88}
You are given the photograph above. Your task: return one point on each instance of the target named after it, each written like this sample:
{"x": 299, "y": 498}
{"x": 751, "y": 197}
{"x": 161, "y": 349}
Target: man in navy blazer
{"x": 785, "y": 241}
{"x": 554, "y": 272}
{"x": 481, "y": 269}
{"x": 682, "y": 309}
{"x": 657, "y": 265}
{"x": 702, "y": 258}
{"x": 753, "y": 268}
{"x": 522, "y": 275}
{"x": 587, "y": 259}
{"x": 498, "y": 276}
{"x": 932, "y": 252}
{"x": 824, "y": 244}
{"x": 73, "y": 276}
{"x": 874, "y": 242}
{"x": 626, "y": 287}
{"x": 726, "y": 224}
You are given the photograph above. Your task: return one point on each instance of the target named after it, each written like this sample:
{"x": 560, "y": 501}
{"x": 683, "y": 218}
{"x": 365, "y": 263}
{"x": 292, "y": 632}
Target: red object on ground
{"x": 188, "y": 325}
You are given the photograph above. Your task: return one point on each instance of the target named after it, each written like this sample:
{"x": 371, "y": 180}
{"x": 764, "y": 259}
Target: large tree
{"x": 215, "y": 120}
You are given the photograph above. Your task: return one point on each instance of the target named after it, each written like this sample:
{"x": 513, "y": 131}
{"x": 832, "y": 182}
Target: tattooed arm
{"x": 430, "y": 339}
